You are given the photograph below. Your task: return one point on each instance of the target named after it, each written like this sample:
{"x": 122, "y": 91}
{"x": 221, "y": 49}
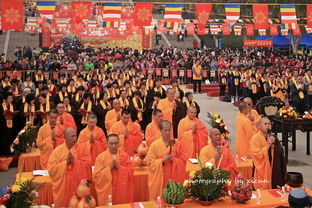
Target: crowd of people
{"x": 96, "y": 106}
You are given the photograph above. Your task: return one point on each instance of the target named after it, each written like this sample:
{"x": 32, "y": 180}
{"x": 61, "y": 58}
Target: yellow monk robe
{"x": 116, "y": 182}
{"x": 111, "y": 118}
{"x": 45, "y": 143}
{"x": 134, "y": 139}
{"x": 159, "y": 174}
{"x": 256, "y": 115}
{"x": 152, "y": 133}
{"x": 244, "y": 131}
{"x": 192, "y": 143}
{"x": 99, "y": 141}
{"x": 68, "y": 121}
{"x": 208, "y": 153}
{"x": 166, "y": 108}
{"x": 66, "y": 178}
{"x": 260, "y": 158}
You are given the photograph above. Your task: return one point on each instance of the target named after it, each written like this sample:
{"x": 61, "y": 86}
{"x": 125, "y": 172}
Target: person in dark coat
{"x": 178, "y": 114}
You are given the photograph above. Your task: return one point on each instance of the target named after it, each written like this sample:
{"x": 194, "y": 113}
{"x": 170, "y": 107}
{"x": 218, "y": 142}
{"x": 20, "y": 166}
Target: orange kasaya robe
{"x": 166, "y": 108}
{"x": 99, "y": 141}
{"x": 46, "y": 145}
{"x": 68, "y": 121}
{"x": 256, "y": 115}
{"x": 159, "y": 174}
{"x": 152, "y": 133}
{"x": 244, "y": 131}
{"x": 134, "y": 139}
{"x": 227, "y": 163}
{"x": 192, "y": 143}
{"x": 66, "y": 178}
{"x": 111, "y": 118}
{"x": 260, "y": 157}
{"x": 116, "y": 182}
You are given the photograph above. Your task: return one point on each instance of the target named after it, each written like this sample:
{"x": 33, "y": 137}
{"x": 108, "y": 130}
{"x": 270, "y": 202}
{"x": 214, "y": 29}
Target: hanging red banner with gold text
{"x": 261, "y": 16}
{"x": 82, "y": 10}
{"x": 143, "y": 14}
{"x": 12, "y": 15}
{"x": 146, "y": 40}
{"x": 46, "y": 36}
{"x": 203, "y": 13}
{"x": 249, "y": 29}
{"x": 309, "y": 15}
{"x": 258, "y": 43}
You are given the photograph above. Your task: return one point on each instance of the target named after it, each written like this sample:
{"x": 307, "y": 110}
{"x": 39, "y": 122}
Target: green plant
{"x": 173, "y": 193}
{"x": 24, "y": 139}
{"x": 215, "y": 121}
{"x": 208, "y": 184}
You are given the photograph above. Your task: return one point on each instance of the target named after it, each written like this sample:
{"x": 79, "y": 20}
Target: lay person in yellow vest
{"x": 197, "y": 76}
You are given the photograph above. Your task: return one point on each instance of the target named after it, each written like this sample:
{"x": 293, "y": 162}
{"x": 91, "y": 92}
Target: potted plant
{"x": 207, "y": 184}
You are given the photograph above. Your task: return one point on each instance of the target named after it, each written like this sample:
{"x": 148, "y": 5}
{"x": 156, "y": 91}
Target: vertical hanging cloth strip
{"x": 112, "y": 14}
{"x": 173, "y": 15}
{"x": 288, "y": 16}
{"x": 237, "y": 29}
{"x": 214, "y": 28}
{"x": 232, "y": 13}
{"x": 46, "y": 8}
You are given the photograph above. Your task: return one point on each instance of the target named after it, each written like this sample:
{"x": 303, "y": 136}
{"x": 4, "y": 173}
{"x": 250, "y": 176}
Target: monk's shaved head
{"x": 247, "y": 99}
{"x": 112, "y": 143}
{"x": 164, "y": 123}
{"x": 265, "y": 125}
{"x": 165, "y": 130}
{"x": 91, "y": 121}
{"x": 215, "y": 136}
{"x": 92, "y": 116}
{"x": 116, "y": 104}
{"x": 70, "y": 135}
{"x": 157, "y": 116}
{"x": 170, "y": 94}
{"x": 191, "y": 112}
{"x": 243, "y": 107}
{"x": 53, "y": 117}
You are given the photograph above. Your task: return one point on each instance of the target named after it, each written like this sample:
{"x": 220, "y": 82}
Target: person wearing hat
{"x": 298, "y": 198}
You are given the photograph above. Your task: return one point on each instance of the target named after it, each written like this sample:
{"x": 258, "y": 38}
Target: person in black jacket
{"x": 299, "y": 95}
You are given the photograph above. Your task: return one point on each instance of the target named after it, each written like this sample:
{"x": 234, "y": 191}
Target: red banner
{"x": 158, "y": 72}
{"x": 309, "y": 15}
{"x": 249, "y": 29}
{"x": 273, "y": 30}
{"x": 12, "y": 15}
{"x": 143, "y": 14}
{"x": 203, "y": 13}
{"x": 82, "y": 10}
{"x": 190, "y": 28}
{"x": 127, "y": 12}
{"x": 258, "y": 43}
{"x": 205, "y": 73}
{"x": 261, "y": 16}
{"x": 225, "y": 29}
{"x": 174, "y": 73}
{"x": 63, "y": 11}
{"x": 189, "y": 73}
{"x": 46, "y": 37}
{"x": 297, "y": 31}
{"x": 146, "y": 40}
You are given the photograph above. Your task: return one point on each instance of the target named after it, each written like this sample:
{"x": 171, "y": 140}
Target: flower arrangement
{"x": 21, "y": 194}
{"x": 287, "y": 112}
{"x": 25, "y": 139}
{"x": 215, "y": 121}
{"x": 241, "y": 191}
{"x": 207, "y": 184}
{"x": 307, "y": 115}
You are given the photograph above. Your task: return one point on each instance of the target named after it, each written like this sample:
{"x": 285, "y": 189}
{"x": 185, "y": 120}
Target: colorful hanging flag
{"x": 32, "y": 21}
{"x": 92, "y": 23}
{"x": 203, "y": 13}
{"x": 173, "y": 12}
{"x": 273, "y": 30}
{"x": 46, "y": 8}
{"x": 82, "y": 10}
{"x": 171, "y": 25}
{"x": 288, "y": 15}
{"x": 143, "y": 14}
{"x": 261, "y": 16}
{"x": 232, "y": 12}
{"x": 112, "y": 14}
{"x": 308, "y": 29}
{"x": 249, "y": 29}
{"x": 214, "y": 29}
{"x": 309, "y": 15}
{"x": 262, "y": 31}
{"x": 12, "y": 15}
{"x": 226, "y": 29}
{"x": 284, "y": 31}
{"x": 237, "y": 29}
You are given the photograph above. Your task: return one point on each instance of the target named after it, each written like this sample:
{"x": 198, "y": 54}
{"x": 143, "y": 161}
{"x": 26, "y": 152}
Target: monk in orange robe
{"x": 164, "y": 160}
{"x": 64, "y": 118}
{"x": 245, "y": 129}
{"x": 218, "y": 153}
{"x": 253, "y": 115}
{"x": 113, "y": 174}
{"x": 192, "y": 134}
{"x": 113, "y": 115}
{"x": 261, "y": 145}
{"x": 50, "y": 135}
{"x": 129, "y": 133}
{"x": 68, "y": 164}
{"x": 152, "y": 132}
{"x": 93, "y": 137}
{"x": 167, "y": 105}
